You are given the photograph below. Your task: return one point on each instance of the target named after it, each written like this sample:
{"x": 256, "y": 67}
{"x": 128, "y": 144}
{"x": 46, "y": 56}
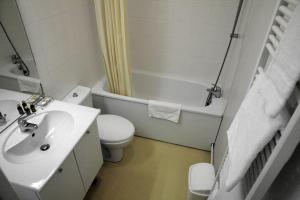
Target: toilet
{"x": 115, "y": 132}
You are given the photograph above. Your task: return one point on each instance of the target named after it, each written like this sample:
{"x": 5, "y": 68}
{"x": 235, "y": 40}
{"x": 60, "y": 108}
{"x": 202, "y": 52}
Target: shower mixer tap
{"x": 17, "y": 60}
{"x": 216, "y": 91}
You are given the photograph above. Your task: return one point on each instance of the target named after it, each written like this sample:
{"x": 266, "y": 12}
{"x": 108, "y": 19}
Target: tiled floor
{"x": 150, "y": 170}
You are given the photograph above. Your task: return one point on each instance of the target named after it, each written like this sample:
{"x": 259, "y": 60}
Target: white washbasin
{"x": 8, "y": 107}
{"x": 53, "y": 130}
{"x": 61, "y": 125}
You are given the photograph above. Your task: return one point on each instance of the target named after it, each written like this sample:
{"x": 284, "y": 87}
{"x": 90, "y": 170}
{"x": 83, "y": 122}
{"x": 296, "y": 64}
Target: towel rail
{"x": 285, "y": 145}
{"x": 277, "y": 31}
{"x": 256, "y": 168}
{"x": 286, "y": 11}
{"x": 281, "y": 21}
{"x": 260, "y": 166}
{"x": 293, "y": 2}
{"x": 268, "y": 162}
{"x": 270, "y": 48}
{"x": 279, "y": 26}
{"x": 259, "y": 163}
{"x": 274, "y": 41}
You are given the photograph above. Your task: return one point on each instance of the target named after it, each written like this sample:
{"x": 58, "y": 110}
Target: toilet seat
{"x": 114, "y": 129}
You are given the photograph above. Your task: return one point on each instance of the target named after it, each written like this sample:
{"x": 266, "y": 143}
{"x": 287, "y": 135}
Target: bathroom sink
{"x": 8, "y": 107}
{"x": 53, "y": 130}
{"x": 60, "y": 125}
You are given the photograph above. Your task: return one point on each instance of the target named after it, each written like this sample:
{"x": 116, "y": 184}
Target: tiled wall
{"x": 63, "y": 37}
{"x": 10, "y": 17}
{"x": 180, "y": 38}
{"x": 5, "y": 49}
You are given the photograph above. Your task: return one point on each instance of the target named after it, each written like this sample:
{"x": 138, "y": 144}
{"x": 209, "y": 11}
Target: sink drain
{"x": 45, "y": 147}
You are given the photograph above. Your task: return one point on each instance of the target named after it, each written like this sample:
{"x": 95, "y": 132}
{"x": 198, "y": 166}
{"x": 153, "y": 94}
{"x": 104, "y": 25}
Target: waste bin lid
{"x": 201, "y": 178}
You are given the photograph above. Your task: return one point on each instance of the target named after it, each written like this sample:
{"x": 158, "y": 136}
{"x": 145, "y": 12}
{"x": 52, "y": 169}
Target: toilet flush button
{"x": 75, "y": 94}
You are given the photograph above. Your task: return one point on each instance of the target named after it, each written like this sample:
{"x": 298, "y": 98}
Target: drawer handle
{"x": 60, "y": 170}
{"x": 87, "y": 132}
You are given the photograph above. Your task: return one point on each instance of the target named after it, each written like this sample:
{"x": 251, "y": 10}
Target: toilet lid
{"x": 113, "y": 128}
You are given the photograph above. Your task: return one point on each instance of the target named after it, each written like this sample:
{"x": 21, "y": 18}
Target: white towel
{"x": 219, "y": 192}
{"x": 164, "y": 110}
{"x": 284, "y": 69}
{"x": 249, "y": 132}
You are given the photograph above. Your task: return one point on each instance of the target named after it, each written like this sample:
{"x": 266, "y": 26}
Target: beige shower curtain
{"x": 112, "y": 30}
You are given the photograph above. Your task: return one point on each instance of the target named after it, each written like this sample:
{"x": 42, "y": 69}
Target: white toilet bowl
{"x": 115, "y": 133}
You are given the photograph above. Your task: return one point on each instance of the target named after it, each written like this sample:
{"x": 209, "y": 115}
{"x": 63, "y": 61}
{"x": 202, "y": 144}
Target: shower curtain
{"x": 112, "y": 30}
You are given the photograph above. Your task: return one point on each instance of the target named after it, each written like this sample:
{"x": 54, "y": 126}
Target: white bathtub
{"x": 198, "y": 125}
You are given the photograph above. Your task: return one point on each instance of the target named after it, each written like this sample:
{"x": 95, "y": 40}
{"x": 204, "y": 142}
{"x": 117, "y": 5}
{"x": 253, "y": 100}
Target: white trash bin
{"x": 200, "y": 181}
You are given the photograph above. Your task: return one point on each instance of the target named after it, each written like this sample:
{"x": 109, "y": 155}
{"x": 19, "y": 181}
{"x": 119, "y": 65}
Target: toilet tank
{"x": 80, "y": 95}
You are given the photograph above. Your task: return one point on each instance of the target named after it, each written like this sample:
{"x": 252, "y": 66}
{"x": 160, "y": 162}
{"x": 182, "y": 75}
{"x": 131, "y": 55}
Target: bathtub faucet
{"x": 216, "y": 91}
{"x": 17, "y": 60}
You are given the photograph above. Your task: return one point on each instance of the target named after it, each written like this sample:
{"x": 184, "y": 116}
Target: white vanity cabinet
{"x": 76, "y": 174}
{"x": 65, "y": 183}
{"x": 89, "y": 155}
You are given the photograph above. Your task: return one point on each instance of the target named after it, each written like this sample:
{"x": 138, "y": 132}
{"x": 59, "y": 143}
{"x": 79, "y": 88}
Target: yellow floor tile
{"x": 150, "y": 170}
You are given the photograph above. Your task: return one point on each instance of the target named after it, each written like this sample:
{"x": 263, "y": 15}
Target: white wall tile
{"x": 5, "y": 51}
{"x": 150, "y": 9}
{"x": 173, "y": 37}
{"x": 63, "y": 37}
{"x": 9, "y": 16}
{"x": 184, "y": 38}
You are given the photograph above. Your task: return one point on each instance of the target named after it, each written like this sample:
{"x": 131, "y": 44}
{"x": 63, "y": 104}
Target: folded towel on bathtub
{"x": 164, "y": 110}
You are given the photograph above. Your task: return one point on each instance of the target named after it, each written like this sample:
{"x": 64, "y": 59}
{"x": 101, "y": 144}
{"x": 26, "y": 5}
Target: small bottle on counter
{"x": 20, "y": 109}
{"x": 26, "y": 109}
{"x": 32, "y": 108}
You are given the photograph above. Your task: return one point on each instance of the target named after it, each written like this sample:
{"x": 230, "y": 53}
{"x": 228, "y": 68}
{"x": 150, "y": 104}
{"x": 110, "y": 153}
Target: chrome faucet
{"x": 26, "y": 126}
{"x": 2, "y": 119}
{"x": 17, "y": 60}
{"x": 216, "y": 91}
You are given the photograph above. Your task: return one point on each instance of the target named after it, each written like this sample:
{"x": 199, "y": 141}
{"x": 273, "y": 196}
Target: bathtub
{"x": 198, "y": 125}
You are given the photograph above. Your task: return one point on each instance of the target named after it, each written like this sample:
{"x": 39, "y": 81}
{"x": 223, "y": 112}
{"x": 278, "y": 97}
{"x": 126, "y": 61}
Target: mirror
{"x": 17, "y": 66}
